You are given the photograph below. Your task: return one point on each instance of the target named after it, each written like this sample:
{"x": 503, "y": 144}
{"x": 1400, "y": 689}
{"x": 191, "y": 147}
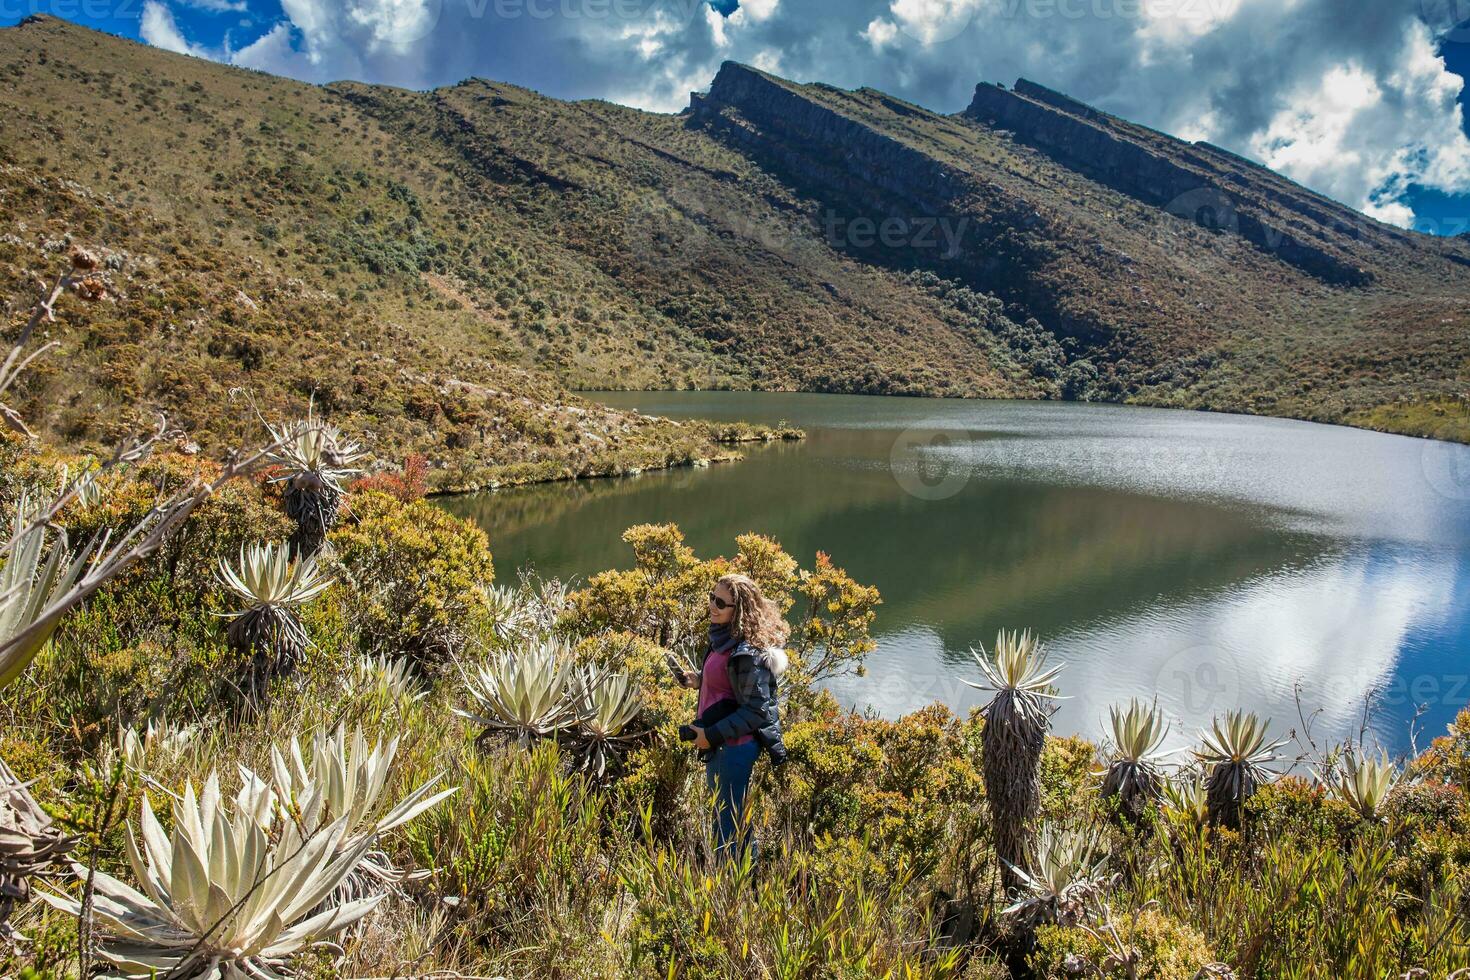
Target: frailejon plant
{"x": 30, "y": 582}
{"x": 315, "y": 458}
{"x": 274, "y": 585}
{"x": 1362, "y": 784}
{"x": 29, "y": 843}
{"x": 1186, "y": 799}
{"x": 525, "y": 695}
{"x": 1016, "y": 722}
{"x": 1132, "y": 775}
{"x": 386, "y": 679}
{"x": 223, "y": 898}
{"x": 511, "y": 618}
{"x": 607, "y": 704}
{"x": 1236, "y": 753}
{"x": 341, "y": 778}
{"x": 1068, "y": 870}
{"x": 160, "y": 739}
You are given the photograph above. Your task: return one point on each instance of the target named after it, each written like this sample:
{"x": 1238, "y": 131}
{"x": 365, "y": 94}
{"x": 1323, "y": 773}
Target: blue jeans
{"x": 729, "y": 769}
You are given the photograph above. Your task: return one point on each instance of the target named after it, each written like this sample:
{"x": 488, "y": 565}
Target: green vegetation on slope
{"x": 190, "y": 329}
{"x": 485, "y": 237}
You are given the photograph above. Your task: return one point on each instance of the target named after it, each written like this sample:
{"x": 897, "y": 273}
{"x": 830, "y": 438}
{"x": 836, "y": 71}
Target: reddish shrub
{"x": 408, "y": 484}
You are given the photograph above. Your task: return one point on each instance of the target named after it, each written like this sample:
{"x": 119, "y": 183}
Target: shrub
{"x": 417, "y": 577}
{"x": 662, "y": 599}
{"x": 1448, "y": 757}
{"x": 1162, "y": 949}
{"x": 407, "y": 485}
{"x": 237, "y": 514}
{"x": 901, "y": 787}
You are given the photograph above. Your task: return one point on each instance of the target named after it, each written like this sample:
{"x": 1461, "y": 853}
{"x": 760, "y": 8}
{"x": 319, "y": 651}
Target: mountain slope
{"x": 1166, "y": 288}
{"x": 774, "y": 235}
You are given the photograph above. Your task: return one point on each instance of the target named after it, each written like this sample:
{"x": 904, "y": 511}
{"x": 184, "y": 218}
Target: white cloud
{"x": 218, "y": 6}
{"x": 161, "y": 30}
{"x": 1175, "y": 21}
{"x": 1309, "y": 137}
{"x": 716, "y": 22}
{"x": 933, "y": 21}
{"x": 769, "y": 60}
{"x": 880, "y": 33}
{"x": 749, "y": 12}
{"x": 1393, "y": 213}
{"x": 757, "y": 10}
{"x": 392, "y": 23}
{"x": 270, "y": 49}
{"x": 1364, "y": 139}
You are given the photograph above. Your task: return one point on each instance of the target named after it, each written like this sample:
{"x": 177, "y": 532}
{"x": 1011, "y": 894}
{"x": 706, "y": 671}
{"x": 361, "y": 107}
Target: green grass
{"x": 1438, "y": 419}
{"x": 877, "y": 856}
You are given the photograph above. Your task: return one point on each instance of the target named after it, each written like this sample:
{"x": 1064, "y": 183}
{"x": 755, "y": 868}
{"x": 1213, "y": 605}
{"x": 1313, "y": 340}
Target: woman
{"x": 745, "y": 656}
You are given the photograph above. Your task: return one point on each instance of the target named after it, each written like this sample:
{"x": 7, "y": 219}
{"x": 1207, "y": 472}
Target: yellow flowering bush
{"x": 1161, "y": 948}
{"x": 417, "y": 576}
{"x": 899, "y": 786}
{"x": 832, "y": 636}
{"x": 663, "y": 598}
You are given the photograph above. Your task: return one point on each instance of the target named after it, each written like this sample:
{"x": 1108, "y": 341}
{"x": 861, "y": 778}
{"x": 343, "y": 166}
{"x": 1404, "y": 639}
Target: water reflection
{"x": 1355, "y": 637}
{"x": 1215, "y": 560}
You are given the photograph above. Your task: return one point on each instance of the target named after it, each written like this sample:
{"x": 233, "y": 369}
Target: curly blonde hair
{"x": 757, "y": 619}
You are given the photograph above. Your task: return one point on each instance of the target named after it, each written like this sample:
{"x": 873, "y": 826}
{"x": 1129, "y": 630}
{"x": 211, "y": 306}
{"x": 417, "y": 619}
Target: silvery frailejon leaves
{"x": 315, "y": 458}
{"x": 221, "y": 896}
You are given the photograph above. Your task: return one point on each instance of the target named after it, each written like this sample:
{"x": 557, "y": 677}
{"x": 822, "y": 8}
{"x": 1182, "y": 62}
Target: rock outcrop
{"x": 951, "y": 220}
{"x": 1197, "y": 181}
{"x": 813, "y": 129}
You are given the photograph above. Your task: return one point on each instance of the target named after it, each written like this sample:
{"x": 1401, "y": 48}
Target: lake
{"x": 1212, "y": 561}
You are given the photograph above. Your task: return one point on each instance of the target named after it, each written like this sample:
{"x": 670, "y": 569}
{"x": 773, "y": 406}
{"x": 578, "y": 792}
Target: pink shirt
{"x": 714, "y": 685}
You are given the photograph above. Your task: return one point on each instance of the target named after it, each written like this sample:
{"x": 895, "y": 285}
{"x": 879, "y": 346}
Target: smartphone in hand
{"x": 680, "y": 674}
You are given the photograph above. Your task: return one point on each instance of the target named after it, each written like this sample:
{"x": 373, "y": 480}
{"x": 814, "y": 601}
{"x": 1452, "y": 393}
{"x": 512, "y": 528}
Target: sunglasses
{"x": 718, "y": 602}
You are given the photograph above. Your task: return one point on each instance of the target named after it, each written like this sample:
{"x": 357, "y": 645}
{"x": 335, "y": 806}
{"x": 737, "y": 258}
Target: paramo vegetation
{"x": 274, "y": 717}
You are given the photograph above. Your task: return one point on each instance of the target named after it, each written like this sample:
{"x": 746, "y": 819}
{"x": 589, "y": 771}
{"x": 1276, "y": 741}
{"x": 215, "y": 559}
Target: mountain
{"x": 439, "y": 268}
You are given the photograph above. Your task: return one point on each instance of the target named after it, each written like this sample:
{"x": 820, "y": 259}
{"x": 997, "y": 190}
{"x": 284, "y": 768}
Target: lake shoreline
{"x": 1461, "y": 436}
{"x": 765, "y": 436}
{"x": 1166, "y": 535}
{"x": 735, "y": 457}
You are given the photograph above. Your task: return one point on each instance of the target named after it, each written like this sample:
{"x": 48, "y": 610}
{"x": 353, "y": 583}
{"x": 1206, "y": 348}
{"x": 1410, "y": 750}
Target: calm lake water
{"x": 1212, "y": 560}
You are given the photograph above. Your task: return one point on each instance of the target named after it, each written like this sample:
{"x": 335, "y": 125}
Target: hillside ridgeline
{"x": 439, "y": 268}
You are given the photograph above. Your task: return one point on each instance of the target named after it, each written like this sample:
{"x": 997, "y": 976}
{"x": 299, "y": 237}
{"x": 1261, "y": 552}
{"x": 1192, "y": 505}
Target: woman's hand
{"x": 700, "y": 742}
{"x": 688, "y": 678}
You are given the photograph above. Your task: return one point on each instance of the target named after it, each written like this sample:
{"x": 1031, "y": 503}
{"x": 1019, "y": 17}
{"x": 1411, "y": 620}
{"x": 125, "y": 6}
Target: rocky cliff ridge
{"x": 1196, "y": 181}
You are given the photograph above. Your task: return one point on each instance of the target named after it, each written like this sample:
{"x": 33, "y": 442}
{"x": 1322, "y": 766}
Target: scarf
{"x": 720, "y": 637}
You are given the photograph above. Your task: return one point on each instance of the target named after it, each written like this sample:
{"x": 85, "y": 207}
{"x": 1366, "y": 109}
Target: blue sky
{"x": 1358, "y": 99}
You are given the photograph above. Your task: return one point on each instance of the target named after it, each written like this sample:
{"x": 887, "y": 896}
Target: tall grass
{"x": 878, "y": 853}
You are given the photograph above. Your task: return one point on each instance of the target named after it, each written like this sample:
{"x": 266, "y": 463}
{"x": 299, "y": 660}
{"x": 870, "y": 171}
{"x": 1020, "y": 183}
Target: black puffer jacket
{"x": 753, "y": 673}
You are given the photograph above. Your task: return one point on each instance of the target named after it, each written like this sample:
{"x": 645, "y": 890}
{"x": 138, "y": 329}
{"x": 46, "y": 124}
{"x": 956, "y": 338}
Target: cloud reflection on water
{"x": 1338, "y": 629}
